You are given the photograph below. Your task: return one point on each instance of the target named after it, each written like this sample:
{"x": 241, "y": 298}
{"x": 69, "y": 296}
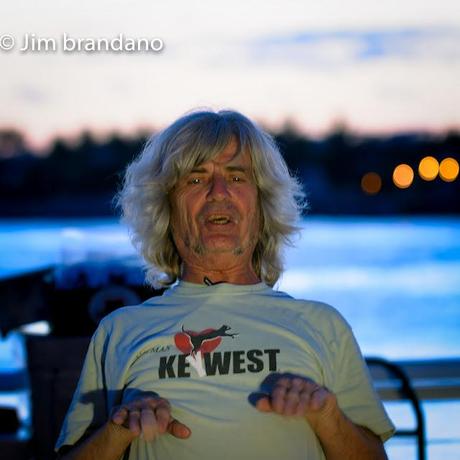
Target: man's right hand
{"x": 149, "y": 417}
{"x": 146, "y": 416}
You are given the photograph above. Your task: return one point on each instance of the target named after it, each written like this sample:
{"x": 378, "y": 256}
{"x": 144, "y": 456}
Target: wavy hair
{"x": 167, "y": 156}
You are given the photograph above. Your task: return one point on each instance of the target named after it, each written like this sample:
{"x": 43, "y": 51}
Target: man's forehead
{"x": 230, "y": 156}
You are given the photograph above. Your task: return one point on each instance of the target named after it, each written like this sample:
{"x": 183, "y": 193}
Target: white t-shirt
{"x": 206, "y": 349}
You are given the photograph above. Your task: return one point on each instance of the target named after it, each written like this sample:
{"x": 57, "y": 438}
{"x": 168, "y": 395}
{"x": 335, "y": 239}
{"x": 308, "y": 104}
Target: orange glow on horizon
{"x": 371, "y": 183}
{"x": 448, "y": 170}
{"x": 428, "y": 168}
{"x": 403, "y": 176}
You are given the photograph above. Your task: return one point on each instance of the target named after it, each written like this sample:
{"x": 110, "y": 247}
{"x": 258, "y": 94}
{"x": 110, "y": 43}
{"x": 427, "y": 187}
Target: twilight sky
{"x": 379, "y": 66}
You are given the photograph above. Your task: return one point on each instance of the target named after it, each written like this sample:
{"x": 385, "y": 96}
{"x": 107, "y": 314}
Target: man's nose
{"x": 218, "y": 189}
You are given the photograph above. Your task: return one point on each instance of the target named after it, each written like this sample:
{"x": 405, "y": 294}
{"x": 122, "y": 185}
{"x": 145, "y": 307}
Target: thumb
{"x": 178, "y": 429}
{"x": 261, "y": 401}
{"x": 264, "y": 405}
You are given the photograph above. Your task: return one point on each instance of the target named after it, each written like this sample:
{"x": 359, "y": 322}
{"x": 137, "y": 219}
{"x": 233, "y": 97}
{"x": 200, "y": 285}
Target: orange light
{"x": 403, "y": 176}
{"x": 371, "y": 183}
{"x": 428, "y": 168}
{"x": 448, "y": 170}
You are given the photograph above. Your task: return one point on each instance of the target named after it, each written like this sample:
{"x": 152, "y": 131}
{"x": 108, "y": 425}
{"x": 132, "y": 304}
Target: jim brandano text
{"x": 120, "y": 43}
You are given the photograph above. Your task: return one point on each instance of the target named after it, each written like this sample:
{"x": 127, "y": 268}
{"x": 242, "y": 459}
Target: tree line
{"x": 80, "y": 178}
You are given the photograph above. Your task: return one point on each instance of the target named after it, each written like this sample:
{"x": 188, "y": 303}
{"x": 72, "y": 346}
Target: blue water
{"x": 396, "y": 280}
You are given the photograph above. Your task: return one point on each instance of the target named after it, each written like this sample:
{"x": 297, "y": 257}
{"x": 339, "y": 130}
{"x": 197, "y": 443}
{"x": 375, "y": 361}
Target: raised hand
{"x": 149, "y": 417}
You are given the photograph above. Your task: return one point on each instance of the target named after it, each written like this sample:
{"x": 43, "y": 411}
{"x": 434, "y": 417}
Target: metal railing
{"x": 402, "y": 384}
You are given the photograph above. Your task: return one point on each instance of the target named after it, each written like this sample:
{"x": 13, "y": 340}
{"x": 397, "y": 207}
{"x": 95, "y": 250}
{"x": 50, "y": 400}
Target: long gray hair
{"x": 172, "y": 153}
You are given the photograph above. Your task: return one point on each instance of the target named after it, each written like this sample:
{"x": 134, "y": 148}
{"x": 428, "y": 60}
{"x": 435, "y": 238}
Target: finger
{"x": 263, "y": 404}
{"x": 178, "y": 429}
{"x": 304, "y": 401}
{"x": 318, "y": 398}
{"x": 312, "y": 399}
{"x": 163, "y": 418}
{"x": 255, "y": 396}
{"x": 162, "y": 410}
{"x": 278, "y": 398}
{"x": 119, "y": 416}
{"x": 149, "y": 425}
{"x": 293, "y": 396}
{"x": 292, "y": 400}
{"x": 285, "y": 381}
{"x": 155, "y": 402}
{"x": 134, "y": 417}
{"x": 298, "y": 383}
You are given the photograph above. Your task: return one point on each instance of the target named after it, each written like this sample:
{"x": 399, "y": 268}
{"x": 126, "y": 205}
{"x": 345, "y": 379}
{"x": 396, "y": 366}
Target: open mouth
{"x": 219, "y": 219}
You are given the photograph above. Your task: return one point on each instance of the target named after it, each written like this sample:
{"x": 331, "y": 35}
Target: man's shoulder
{"x": 319, "y": 314}
{"x": 312, "y": 306}
{"x": 131, "y": 312}
{"x": 319, "y": 307}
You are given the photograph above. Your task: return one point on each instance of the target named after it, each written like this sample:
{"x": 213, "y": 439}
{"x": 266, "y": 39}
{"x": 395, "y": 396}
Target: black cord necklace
{"x": 208, "y": 282}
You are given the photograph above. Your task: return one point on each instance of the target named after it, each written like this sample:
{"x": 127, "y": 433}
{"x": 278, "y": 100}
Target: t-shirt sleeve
{"x": 88, "y": 409}
{"x": 352, "y": 384}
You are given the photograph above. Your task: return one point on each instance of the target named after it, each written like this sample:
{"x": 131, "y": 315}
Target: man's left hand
{"x": 293, "y": 395}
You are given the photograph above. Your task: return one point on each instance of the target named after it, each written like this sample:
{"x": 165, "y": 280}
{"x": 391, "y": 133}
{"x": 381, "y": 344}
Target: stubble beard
{"x": 199, "y": 249}
{"x": 195, "y": 244}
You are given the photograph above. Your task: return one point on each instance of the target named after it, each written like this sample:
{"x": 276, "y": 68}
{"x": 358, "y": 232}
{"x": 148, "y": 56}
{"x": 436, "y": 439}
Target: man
{"x": 221, "y": 366}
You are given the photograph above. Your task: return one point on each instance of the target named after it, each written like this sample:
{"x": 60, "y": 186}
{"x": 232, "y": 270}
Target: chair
{"x": 388, "y": 375}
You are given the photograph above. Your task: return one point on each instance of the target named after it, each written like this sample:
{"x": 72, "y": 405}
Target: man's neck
{"x": 237, "y": 275}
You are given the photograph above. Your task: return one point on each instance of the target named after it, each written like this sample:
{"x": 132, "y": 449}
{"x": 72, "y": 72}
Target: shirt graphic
{"x": 195, "y": 344}
{"x": 198, "y": 350}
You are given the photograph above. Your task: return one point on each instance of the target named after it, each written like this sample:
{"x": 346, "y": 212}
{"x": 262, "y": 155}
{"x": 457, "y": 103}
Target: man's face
{"x": 214, "y": 210}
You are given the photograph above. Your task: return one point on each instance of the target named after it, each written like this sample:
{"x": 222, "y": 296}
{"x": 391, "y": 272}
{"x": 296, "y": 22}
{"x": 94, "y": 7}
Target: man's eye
{"x": 236, "y": 179}
{"x": 194, "y": 180}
